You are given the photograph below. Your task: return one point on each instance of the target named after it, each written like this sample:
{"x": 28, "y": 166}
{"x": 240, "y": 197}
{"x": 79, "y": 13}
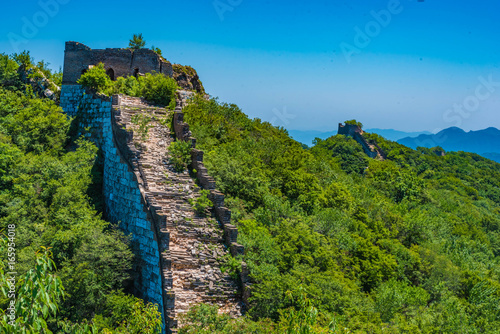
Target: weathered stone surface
{"x": 78, "y": 58}
{"x": 179, "y": 253}
{"x": 354, "y": 131}
{"x": 125, "y": 203}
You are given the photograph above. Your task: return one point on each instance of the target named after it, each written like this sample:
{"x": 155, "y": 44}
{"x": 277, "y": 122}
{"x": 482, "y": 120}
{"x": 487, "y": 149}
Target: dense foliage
{"x": 78, "y": 281}
{"x": 410, "y": 244}
{"x": 11, "y": 68}
{"x": 156, "y": 87}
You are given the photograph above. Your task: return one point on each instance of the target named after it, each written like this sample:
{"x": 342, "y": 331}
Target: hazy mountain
{"x": 395, "y": 135}
{"x": 307, "y": 137}
{"x": 485, "y": 142}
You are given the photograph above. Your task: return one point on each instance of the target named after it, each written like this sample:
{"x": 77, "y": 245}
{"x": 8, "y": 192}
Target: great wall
{"x": 179, "y": 252}
{"x": 372, "y": 150}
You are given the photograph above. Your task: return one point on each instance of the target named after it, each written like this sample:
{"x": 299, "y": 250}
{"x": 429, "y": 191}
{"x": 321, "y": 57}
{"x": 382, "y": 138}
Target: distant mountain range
{"x": 307, "y": 137}
{"x": 396, "y": 135}
{"x": 484, "y": 142}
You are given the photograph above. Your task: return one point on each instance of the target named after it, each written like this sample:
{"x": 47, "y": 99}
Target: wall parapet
{"x": 222, "y": 213}
{"x": 126, "y": 203}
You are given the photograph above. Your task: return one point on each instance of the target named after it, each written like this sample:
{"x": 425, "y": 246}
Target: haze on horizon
{"x": 406, "y": 65}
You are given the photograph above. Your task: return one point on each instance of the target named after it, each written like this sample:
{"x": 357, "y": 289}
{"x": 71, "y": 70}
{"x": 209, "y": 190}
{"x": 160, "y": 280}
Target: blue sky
{"x": 425, "y": 65}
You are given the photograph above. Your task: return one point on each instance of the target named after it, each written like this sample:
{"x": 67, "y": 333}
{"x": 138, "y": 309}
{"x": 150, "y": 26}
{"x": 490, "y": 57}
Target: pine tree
{"x": 137, "y": 42}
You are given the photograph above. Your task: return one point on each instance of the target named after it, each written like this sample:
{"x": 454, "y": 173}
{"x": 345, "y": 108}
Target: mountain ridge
{"x": 485, "y": 142}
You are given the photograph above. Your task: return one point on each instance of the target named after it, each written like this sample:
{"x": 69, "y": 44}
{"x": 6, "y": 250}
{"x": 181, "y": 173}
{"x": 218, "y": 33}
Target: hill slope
{"x": 401, "y": 245}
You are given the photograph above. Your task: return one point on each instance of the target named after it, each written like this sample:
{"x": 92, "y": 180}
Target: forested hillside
{"x": 72, "y": 267}
{"x": 339, "y": 242}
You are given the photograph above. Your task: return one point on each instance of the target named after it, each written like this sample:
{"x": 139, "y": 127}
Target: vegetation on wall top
{"x": 154, "y": 87}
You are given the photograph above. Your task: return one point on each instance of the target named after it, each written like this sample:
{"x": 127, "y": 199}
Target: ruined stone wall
{"x": 125, "y": 202}
{"x": 138, "y": 211}
{"x": 222, "y": 213}
{"x": 124, "y": 62}
{"x": 357, "y": 133}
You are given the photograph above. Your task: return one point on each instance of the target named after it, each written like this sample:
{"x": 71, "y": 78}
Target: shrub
{"x": 96, "y": 79}
{"x": 231, "y": 266}
{"x": 202, "y": 202}
{"x": 180, "y": 155}
{"x": 157, "y": 50}
{"x": 142, "y": 121}
{"x": 156, "y": 87}
{"x": 354, "y": 122}
{"x": 128, "y": 86}
{"x": 159, "y": 89}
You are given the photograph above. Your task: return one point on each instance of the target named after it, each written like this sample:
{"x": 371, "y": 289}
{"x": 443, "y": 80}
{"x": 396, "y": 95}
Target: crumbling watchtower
{"x": 78, "y": 58}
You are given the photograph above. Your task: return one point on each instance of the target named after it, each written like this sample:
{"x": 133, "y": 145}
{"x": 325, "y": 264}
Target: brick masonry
{"x": 222, "y": 213}
{"x": 123, "y": 189}
{"x": 78, "y": 58}
{"x": 178, "y": 252}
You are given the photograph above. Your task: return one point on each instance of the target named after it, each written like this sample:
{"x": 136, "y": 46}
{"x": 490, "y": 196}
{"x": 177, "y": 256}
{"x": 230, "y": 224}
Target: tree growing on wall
{"x": 354, "y": 122}
{"x": 137, "y": 42}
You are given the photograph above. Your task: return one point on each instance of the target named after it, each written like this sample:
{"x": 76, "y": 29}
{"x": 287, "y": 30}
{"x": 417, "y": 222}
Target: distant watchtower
{"x": 349, "y": 129}
{"x": 355, "y": 131}
{"x": 78, "y": 58}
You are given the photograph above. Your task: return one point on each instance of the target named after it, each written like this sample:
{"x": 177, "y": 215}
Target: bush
{"x": 156, "y": 87}
{"x": 159, "y": 89}
{"x": 180, "y": 155}
{"x": 96, "y": 79}
{"x": 128, "y": 86}
{"x": 354, "y": 122}
{"x": 143, "y": 124}
{"x": 202, "y": 202}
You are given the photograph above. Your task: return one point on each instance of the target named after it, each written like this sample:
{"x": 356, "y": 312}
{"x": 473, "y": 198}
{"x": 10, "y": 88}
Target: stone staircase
{"x": 191, "y": 245}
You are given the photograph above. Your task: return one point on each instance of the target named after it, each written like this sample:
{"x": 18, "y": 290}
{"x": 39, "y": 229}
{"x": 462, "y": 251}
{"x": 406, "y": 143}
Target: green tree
{"x": 137, "y": 42}
{"x": 36, "y": 298}
{"x": 180, "y": 154}
{"x": 96, "y": 79}
{"x": 157, "y": 50}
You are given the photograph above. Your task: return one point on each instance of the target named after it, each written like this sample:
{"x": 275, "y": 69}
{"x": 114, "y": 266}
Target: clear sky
{"x": 407, "y": 65}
